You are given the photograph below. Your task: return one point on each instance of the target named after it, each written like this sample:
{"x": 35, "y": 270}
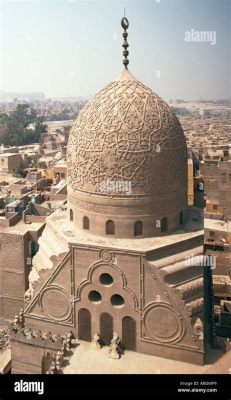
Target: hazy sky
{"x": 73, "y": 48}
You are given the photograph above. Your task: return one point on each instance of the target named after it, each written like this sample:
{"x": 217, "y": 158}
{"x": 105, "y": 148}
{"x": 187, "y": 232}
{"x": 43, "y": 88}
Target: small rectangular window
{"x": 223, "y": 177}
{"x": 215, "y": 185}
{"x": 223, "y": 195}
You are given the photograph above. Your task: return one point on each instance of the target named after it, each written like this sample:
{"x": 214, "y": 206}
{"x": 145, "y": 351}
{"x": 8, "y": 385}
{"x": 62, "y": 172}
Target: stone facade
{"x": 217, "y": 179}
{"x": 11, "y": 162}
{"x": 145, "y": 292}
{"x": 120, "y": 262}
{"x": 16, "y": 245}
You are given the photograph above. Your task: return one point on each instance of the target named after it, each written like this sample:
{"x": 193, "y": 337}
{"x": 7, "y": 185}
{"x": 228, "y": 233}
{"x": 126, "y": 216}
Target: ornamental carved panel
{"x": 55, "y": 303}
{"x": 163, "y": 324}
{"x": 127, "y": 133}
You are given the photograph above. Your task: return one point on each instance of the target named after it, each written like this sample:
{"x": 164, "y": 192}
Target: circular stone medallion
{"x": 55, "y": 304}
{"x": 163, "y": 324}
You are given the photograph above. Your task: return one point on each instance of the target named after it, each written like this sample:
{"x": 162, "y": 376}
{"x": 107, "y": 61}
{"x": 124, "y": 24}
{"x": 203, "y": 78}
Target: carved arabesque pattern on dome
{"x": 127, "y": 133}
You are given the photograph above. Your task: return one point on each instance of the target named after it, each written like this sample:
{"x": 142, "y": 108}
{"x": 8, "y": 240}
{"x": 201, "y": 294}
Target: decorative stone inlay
{"x": 55, "y": 304}
{"x": 105, "y": 255}
{"x": 163, "y": 324}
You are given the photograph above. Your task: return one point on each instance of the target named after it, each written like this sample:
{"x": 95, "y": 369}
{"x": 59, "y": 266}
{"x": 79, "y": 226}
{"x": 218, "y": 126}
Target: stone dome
{"x": 127, "y": 156}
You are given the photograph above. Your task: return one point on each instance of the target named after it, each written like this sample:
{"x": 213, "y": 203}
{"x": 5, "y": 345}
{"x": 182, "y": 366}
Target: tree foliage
{"x": 15, "y": 128}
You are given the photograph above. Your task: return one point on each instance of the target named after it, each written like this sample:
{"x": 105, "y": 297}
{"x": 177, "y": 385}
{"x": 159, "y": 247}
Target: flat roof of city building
{"x": 217, "y": 225}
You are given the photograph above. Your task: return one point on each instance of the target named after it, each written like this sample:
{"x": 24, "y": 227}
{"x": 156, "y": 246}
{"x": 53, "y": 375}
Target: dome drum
{"x": 125, "y": 213}
{"x": 126, "y": 230}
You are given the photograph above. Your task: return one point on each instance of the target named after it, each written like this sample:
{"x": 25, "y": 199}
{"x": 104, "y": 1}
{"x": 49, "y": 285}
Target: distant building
{"x": 18, "y": 246}
{"x": 19, "y": 96}
{"x": 218, "y": 245}
{"x": 10, "y": 162}
{"x": 23, "y": 212}
{"x": 216, "y": 172}
{"x": 190, "y": 183}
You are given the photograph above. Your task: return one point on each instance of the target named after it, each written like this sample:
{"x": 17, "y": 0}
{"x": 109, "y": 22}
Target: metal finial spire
{"x": 125, "y": 25}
